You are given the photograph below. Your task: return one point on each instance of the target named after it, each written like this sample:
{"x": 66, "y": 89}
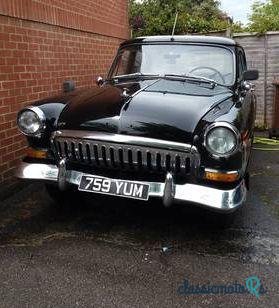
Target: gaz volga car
{"x": 173, "y": 119}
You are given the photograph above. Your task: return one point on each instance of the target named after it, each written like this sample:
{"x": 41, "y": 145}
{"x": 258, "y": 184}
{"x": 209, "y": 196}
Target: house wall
{"x": 43, "y": 43}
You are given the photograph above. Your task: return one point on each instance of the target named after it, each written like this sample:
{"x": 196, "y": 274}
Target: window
{"x": 242, "y": 67}
{"x": 212, "y": 62}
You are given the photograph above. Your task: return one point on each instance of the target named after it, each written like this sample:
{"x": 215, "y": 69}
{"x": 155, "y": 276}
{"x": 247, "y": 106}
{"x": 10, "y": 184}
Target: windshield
{"x": 210, "y": 62}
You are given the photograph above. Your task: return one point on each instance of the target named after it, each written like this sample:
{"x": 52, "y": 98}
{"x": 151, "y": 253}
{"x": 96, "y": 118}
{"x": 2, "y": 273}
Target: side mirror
{"x": 251, "y": 75}
{"x": 99, "y": 81}
{"x": 68, "y": 86}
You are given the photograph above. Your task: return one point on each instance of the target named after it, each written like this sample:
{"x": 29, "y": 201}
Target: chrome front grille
{"x": 97, "y": 150}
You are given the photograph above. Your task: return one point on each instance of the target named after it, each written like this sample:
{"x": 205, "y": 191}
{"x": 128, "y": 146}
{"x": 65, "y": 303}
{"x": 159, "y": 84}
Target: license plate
{"x": 106, "y": 186}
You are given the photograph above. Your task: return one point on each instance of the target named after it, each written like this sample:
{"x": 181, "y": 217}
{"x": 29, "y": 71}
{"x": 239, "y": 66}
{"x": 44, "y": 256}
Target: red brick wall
{"x": 43, "y": 43}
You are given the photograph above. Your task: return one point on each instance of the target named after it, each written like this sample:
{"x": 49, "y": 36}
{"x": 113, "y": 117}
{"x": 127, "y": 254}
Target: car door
{"x": 248, "y": 106}
{"x": 247, "y": 96}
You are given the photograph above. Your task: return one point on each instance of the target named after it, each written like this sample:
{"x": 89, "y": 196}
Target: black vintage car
{"x": 173, "y": 119}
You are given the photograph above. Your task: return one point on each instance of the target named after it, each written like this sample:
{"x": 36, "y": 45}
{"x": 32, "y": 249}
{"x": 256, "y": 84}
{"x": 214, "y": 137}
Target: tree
{"x": 265, "y": 17}
{"x": 156, "y": 17}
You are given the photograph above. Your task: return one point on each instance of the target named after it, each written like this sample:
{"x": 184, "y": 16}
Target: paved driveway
{"x": 118, "y": 253}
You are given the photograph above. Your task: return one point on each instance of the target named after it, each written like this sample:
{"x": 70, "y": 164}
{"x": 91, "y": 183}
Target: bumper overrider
{"x": 212, "y": 198}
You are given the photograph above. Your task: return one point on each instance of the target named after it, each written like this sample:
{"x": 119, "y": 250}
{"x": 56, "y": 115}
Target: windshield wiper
{"x": 137, "y": 75}
{"x": 141, "y": 76}
{"x": 194, "y": 78}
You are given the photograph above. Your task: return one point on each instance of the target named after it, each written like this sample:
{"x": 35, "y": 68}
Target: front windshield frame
{"x": 231, "y": 49}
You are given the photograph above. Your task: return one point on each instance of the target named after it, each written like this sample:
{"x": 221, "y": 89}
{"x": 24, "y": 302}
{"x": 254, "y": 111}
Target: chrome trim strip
{"x": 212, "y": 198}
{"x": 118, "y": 138}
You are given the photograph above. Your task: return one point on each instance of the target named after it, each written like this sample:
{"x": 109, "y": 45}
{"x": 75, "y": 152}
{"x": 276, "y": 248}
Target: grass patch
{"x": 261, "y": 143}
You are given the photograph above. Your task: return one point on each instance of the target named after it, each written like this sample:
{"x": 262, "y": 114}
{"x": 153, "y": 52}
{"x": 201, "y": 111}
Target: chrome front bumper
{"x": 212, "y": 198}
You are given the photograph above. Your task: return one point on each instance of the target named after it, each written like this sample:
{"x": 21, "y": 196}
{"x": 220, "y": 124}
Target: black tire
{"x": 68, "y": 198}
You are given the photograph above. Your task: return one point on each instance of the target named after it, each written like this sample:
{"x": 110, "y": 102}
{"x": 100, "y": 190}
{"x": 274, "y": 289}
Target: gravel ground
{"x": 118, "y": 253}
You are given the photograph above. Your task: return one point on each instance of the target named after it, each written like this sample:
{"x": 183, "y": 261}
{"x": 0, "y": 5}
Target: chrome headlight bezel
{"x": 41, "y": 121}
{"x": 225, "y": 125}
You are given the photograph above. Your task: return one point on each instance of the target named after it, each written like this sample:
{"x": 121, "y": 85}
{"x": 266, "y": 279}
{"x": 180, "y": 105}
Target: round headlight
{"x": 221, "y": 140}
{"x": 31, "y": 121}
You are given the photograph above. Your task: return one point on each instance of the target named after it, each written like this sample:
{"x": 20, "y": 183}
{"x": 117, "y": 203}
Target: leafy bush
{"x": 265, "y": 17}
{"x": 156, "y": 17}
